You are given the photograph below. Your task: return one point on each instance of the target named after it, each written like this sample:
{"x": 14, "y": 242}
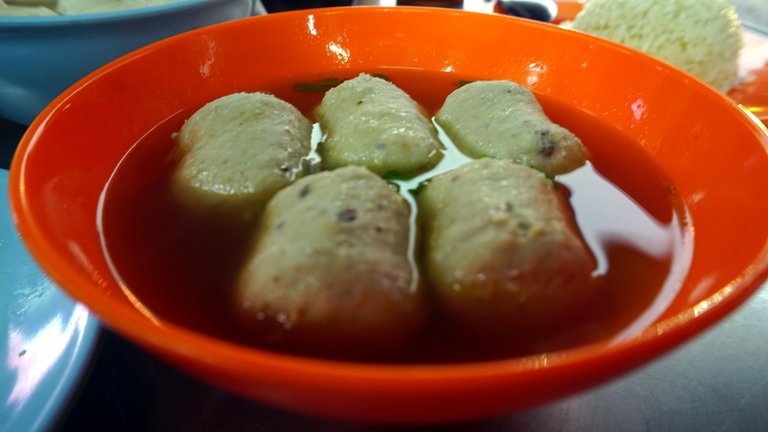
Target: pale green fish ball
{"x": 331, "y": 264}
{"x": 503, "y": 120}
{"x": 370, "y": 122}
{"x": 501, "y": 249}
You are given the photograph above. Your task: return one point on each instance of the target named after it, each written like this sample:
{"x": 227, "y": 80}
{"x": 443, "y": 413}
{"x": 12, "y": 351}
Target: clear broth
{"x": 180, "y": 266}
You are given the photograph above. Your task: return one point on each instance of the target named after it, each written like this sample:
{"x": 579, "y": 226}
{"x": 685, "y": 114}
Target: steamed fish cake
{"x": 27, "y": 7}
{"x": 500, "y": 248}
{"x": 15, "y": 10}
{"x": 70, "y": 7}
{"x": 370, "y": 122}
{"x": 241, "y": 149}
{"x": 331, "y": 264}
{"x": 503, "y": 120}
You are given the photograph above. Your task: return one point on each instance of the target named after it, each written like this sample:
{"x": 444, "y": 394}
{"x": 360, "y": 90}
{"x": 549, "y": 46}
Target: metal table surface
{"x": 717, "y": 382}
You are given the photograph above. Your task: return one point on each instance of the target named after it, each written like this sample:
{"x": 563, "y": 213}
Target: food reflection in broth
{"x": 183, "y": 266}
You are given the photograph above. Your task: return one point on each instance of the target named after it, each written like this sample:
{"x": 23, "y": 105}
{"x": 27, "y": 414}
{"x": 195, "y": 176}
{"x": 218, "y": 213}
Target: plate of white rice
{"x": 705, "y": 38}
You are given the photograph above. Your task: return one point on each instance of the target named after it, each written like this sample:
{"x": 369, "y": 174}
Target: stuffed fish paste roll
{"x": 331, "y": 264}
{"x": 500, "y": 248}
{"x": 503, "y": 120}
{"x": 241, "y": 149}
{"x": 370, "y": 122}
{"x": 67, "y": 7}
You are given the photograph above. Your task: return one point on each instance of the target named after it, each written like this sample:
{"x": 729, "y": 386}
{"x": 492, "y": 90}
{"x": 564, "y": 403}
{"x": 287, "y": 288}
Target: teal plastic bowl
{"x": 40, "y": 57}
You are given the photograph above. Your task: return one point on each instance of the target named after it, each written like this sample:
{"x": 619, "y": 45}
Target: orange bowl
{"x": 713, "y": 153}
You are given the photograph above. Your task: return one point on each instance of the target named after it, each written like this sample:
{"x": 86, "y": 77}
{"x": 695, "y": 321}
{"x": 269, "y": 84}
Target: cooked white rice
{"x": 702, "y": 37}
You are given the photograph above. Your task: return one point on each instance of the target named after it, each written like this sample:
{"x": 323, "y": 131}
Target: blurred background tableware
{"x": 713, "y": 383}
{"x": 40, "y": 56}
{"x": 539, "y": 10}
{"x": 64, "y": 150}
{"x": 753, "y": 13}
{"x": 47, "y": 340}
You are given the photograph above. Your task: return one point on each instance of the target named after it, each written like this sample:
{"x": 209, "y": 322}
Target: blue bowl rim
{"x": 101, "y": 17}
